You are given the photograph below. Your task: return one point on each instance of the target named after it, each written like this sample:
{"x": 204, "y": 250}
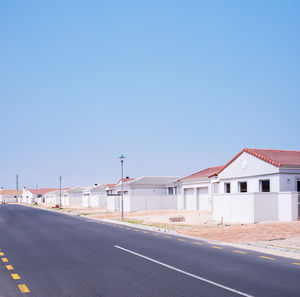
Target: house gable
{"x": 246, "y": 165}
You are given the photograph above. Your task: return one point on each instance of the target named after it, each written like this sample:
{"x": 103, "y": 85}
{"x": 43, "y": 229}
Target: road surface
{"x": 47, "y": 254}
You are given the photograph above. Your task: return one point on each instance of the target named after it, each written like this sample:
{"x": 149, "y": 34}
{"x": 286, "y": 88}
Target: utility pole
{"x": 60, "y": 191}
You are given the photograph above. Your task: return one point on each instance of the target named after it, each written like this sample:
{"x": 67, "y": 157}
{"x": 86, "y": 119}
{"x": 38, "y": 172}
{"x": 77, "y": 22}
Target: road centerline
{"x": 184, "y": 272}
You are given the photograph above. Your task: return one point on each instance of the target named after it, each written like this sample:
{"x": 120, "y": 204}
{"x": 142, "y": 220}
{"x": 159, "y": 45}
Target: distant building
{"x": 144, "y": 193}
{"x": 10, "y": 196}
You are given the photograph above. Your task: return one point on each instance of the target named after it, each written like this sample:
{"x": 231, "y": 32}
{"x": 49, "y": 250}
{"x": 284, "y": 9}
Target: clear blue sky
{"x": 176, "y": 86}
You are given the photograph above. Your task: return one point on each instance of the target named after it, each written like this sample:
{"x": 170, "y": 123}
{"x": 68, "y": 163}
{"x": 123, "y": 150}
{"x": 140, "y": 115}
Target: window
{"x": 243, "y": 187}
{"x": 264, "y": 185}
{"x": 227, "y": 187}
{"x": 170, "y": 191}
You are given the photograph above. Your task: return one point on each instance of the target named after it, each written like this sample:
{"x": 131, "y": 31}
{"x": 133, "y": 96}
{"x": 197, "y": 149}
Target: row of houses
{"x": 256, "y": 185}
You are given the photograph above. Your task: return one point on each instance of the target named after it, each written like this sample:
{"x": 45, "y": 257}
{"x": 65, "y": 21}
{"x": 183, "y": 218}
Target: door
{"x": 189, "y": 199}
{"x": 298, "y": 190}
{"x": 203, "y": 202}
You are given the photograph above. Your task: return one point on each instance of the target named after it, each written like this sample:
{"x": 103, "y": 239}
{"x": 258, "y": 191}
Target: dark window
{"x": 227, "y": 187}
{"x": 170, "y": 191}
{"x": 265, "y": 185}
{"x": 243, "y": 187}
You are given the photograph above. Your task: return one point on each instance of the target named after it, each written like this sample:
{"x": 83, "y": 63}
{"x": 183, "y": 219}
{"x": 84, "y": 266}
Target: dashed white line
{"x": 184, "y": 272}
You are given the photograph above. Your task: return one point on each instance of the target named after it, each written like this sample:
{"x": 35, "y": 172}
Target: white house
{"x": 95, "y": 196}
{"x": 72, "y": 197}
{"x": 10, "y": 196}
{"x": 144, "y": 193}
{"x": 259, "y": 185}
{"x": 53, "y": 197}
{"x": 34, "y": 195}
{"x": 197, "y": 189}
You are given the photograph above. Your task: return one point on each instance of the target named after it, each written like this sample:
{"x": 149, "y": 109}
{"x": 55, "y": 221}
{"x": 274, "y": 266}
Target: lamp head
{"x": 122, "y": 157}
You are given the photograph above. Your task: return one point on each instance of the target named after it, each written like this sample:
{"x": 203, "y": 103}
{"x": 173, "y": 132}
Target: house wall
{"x": 74, "y": 200}
{"x": 94, "y": 200}
{"x": 113, "y": 203}
{"x": 153, "y": 202}
{"x": 8, "y": 199}
{"x": 98, "y": 200}
{"x": 253, "y": 183}
{"x": 146, "y": 191}
{"x": 195, "y": 196}
{"x": 27, "y": 196}
{"x": 247, "y": 165}
{"x": 288, "y": 179}
{"x": 255, "y": 207}
{"x": 288, "y": 206}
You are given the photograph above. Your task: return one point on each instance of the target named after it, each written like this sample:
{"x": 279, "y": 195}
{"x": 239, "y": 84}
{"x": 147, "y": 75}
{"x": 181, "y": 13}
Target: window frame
{"x": 243, "y": 182}
{"x": 226, "y": 189}
{"x": 261, "y": 187}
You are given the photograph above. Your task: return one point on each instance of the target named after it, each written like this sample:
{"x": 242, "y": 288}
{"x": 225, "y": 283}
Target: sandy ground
{"x": 275, "y": 234}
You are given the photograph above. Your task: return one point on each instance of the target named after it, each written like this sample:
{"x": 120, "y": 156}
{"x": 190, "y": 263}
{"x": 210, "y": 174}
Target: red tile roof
{"x": 278, "y": 158}
{"x": 125, "y": 180}
{"x": 110, "y": 185}
{"x": 42, "y": 190}
{"x": 209, "y": 172}
{"x": 11, "y": 192}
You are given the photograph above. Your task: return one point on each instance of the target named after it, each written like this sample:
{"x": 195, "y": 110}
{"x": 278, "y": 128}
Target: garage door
{"x": 189, "y": 199}
{"x": 203, "y": 201}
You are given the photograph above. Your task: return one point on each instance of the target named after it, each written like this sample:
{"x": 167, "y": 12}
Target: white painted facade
{"x": 27, "y": 196}
{"x": 255, "y": 205}
{"x": 10, "y": 196}
{"x": 95, "y": 196}
{"x": 144, "y": 193}
{"x": 72, "y": 197}
{"x": 195, "y": 195}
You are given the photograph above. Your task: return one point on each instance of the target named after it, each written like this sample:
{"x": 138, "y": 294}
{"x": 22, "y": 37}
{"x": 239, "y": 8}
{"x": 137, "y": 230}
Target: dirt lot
{"x": 200, "y": 224}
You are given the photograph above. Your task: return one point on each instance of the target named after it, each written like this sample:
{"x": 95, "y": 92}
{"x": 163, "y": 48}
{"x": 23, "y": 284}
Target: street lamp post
{"x": 60, "y": 191}
{"x": 3, "y": 198}
{"x": 122, "y": 157}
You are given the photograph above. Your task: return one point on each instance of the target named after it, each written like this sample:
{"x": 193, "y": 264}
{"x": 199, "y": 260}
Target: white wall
{"x": 195, "y": 196}
{"x": 27, "y": 196}
{"x": 265, "y": 207}
{"x": 8, "y": 199}
{"x": 253, "y": 183}
{"x": 233, "y": 208}
{"x": 154, "y": 202}
{"x": 113, "y": 203}
{"x": 247, "y": 165}
{"x": 255, "y": 207}
{"x": 94, "y": 200}
{"x": 288, "y": 181}
{"x": 288, "y": 206}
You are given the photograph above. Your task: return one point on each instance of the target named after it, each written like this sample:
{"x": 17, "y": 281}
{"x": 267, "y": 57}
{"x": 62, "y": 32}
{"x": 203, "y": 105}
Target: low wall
{"x": 255, "y": 207}
{"x": 288, "y": 206}
{"x": 140, "y": 203}
{"x": 8, "y": 199}
{"x": 233, "y": 208}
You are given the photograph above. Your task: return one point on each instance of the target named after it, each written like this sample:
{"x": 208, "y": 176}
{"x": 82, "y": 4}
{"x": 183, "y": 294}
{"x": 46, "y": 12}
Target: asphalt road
{"x": 58, "y": 255}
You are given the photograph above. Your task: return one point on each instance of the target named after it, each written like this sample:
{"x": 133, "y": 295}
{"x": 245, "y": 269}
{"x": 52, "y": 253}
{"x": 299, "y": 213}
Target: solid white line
{"x": 184, "y": 272}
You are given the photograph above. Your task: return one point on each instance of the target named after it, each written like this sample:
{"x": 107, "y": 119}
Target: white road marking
{"x": 184, "y": 272}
